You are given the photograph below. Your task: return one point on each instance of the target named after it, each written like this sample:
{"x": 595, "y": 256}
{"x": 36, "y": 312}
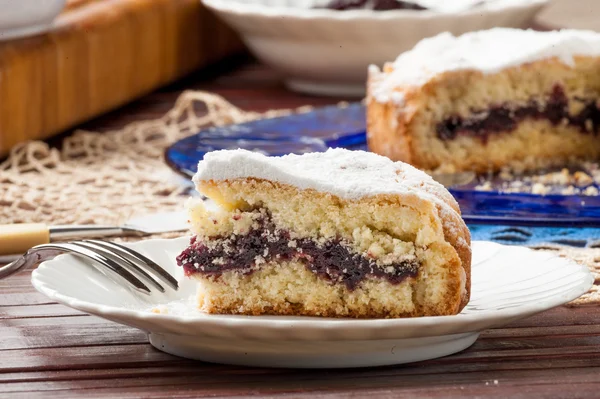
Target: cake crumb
{"x": 506, "y": 174}
{"x": 541, "y": 189}
{"x": 582, "y": 179}
{"x": 161, "y": 309}
{"x": 486, "y": 186}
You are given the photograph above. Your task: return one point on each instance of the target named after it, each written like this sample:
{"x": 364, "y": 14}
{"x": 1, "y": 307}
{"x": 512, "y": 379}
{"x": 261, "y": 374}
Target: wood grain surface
{"x": 48, "y": 349}
{"x": 100, "y": 55}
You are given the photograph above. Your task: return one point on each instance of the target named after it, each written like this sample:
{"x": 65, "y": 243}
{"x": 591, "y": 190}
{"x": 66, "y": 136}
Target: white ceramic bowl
{"x": 20, "y": 18}
{"x": 323, "y": 51}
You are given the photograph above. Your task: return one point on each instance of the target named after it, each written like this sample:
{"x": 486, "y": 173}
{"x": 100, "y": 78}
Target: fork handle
{"x": 18, "y": 238}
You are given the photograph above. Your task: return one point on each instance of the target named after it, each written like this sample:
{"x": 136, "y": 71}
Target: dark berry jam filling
{"x": 333, "y": 260}
{"x": 377, "y": 5}
{"x": 504, "y": 118}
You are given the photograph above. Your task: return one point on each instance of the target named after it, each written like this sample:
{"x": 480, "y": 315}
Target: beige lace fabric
{"x": 110, "y": 177}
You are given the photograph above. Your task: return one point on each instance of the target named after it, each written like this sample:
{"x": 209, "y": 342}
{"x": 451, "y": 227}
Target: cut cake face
{"x": 337, "y": 234}
{"x": 487, "y": 100}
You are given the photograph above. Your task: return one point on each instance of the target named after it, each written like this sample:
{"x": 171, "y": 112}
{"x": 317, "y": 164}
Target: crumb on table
{"x": 160, "y": 309}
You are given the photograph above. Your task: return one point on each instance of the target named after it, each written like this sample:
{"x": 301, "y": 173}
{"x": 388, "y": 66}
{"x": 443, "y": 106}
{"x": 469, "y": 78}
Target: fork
{"x": 130, "y": 265}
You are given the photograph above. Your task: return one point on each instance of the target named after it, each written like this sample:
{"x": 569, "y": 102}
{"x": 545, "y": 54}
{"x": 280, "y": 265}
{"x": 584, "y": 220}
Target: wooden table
{"x": 47, "y": 349}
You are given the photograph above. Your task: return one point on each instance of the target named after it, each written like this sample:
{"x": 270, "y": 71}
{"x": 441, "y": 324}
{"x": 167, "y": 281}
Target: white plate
{"x": 327, "y": 52}
{"x": 509, "y": 283}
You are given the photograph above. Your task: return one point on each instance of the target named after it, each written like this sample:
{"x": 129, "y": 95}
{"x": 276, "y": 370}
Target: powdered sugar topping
{"x": 344, "y": 173}
{"x": 488, "y": 51}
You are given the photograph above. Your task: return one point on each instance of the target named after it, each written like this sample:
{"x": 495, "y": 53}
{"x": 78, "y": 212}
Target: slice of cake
{"x": 337, "y": 234}
{"x": 488, "y": 100}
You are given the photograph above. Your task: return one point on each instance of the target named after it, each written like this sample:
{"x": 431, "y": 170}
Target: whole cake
{"x": 490, "y": 99}
{"x": 337, "y": 234}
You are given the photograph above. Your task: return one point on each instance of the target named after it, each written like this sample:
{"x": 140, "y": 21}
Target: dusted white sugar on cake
{"x": 339, "y": 234}
{"x": 347, "y": 174}
{"x": 488, "y": 51}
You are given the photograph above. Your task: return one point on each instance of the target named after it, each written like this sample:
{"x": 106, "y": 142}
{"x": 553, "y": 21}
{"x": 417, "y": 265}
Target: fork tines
{"x": 127, "y": 263}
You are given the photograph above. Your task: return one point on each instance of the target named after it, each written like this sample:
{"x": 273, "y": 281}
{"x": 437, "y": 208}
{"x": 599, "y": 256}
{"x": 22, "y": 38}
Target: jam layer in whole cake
{"x": 377, "y": 5}
{"x": 505, "y": 118}
{"x": 332, "y": 260}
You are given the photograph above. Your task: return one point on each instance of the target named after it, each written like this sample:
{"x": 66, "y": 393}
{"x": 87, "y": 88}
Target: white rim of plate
{"x": 262, "y": 10}
{"x": 290, "y": 322}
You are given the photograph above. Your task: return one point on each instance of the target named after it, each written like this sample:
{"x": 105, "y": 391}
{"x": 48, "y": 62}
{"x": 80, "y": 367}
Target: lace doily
{"x": 107, "y": 178}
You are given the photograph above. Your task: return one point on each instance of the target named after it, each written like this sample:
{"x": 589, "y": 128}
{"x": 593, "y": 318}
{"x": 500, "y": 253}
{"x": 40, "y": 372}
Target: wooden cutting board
{"x": 99, "y": 55}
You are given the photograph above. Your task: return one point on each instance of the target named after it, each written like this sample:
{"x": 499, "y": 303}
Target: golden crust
{"x": 388, "y": 132}
{"x": 444, "y": 237}
{"x": 406, "y": 131}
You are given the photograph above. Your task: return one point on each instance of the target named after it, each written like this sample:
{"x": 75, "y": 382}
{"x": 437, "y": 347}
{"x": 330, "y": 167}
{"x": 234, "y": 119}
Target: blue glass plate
{"x": 345, "y": 127}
